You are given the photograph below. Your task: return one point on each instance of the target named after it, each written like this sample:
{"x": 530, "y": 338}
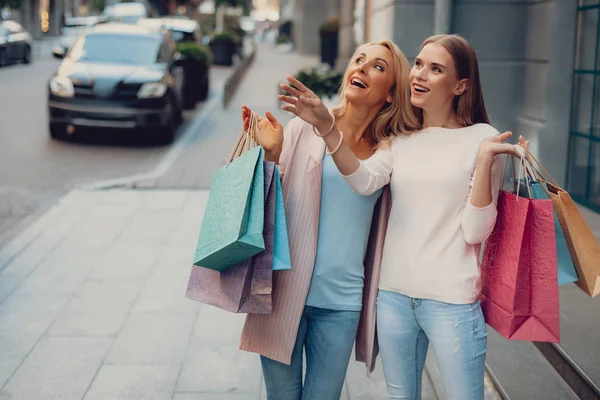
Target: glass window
{"x": 581, "y": 119}
{"x": 594, "y": 194}
{"x": 583, "y": 177}
{"x": 578, "y": 166}
{"x": 586, "y": 39}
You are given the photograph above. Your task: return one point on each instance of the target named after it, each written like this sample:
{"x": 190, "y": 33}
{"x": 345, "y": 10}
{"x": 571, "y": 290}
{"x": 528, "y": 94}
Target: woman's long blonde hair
{"x": 396, "y": 118}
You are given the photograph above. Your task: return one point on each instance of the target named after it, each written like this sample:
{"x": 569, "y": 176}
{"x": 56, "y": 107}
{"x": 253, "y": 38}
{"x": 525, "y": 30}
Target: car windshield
{"x": 118, "y": 49}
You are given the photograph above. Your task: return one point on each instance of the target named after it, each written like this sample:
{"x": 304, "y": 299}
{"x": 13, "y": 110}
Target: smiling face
{"x": 434, "y": 79}
{"x": 370, "y": 76}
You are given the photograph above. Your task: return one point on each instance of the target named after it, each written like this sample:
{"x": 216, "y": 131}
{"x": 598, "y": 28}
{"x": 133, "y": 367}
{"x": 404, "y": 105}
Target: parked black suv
{"x": 117, "y": 76}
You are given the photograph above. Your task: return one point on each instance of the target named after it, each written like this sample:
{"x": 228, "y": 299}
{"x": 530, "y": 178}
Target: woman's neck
{"x": 441, "y": 119}
{"x": 355, "y": 121}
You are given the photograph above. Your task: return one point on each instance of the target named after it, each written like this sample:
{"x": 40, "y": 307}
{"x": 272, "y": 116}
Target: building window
{"x": 583, "y": 169}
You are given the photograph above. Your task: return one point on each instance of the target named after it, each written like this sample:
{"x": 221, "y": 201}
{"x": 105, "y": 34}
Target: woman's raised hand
{"x": 306, "y": 105}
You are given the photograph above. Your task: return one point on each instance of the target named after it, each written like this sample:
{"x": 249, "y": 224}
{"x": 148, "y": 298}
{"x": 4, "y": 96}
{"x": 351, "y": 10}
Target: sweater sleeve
{"x": 373, "y": 173}
{"x": 478, "y": 222}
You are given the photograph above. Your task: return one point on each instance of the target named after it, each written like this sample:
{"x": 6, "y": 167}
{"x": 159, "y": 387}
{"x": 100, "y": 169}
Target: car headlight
{"x": 62, "y": 86}
{"x": 152, "y": 90}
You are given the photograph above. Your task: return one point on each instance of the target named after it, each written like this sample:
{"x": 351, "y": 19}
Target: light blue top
{"x": 344, "y": 226}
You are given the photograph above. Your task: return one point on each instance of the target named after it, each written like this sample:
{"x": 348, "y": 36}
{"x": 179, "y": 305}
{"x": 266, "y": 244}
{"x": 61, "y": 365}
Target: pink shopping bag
{"x": 519, "y": 271}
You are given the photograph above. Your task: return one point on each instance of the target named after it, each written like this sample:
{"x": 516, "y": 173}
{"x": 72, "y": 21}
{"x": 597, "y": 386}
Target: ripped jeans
{"x": 457, "y": 333}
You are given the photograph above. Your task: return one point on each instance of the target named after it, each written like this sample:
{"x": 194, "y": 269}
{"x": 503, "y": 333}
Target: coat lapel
{"x": 316, "y": 152}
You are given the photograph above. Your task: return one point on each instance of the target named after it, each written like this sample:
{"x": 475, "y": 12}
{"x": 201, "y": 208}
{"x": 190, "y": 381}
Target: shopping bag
{"x": 519, "y": 271}
{"x": 232, "y": 226}
{"x": 566, "y": 270}
{"x": 245, "y": 287}
{"x": 581, "y": 242}
{"x": 281, "y": 256}
{"x": 261, "y": 285}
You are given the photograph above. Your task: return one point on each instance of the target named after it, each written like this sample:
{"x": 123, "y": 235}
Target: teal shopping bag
{"x": 566, "y": 270}
{"x": 281, "y": 250}
{"x": 232, "y": 226}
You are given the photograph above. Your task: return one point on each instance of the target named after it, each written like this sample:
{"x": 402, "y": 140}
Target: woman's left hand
{"x": 494, "y": 145}
{"x": 306, "y": 105}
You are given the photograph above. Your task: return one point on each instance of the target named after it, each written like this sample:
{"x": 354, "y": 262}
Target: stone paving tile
{"x": 153, "y": 338}
{"x": 68, "y": 211}
{"x": 134, "y": 382}
{"x": 57, "y": 368}
{"x": 23, "y": 321}
{"x": 214, "y": 396}
{"x": 215, "y": 326}
{"x": 118, "y": 295}
{"x": 219, "y": 369}
{"x": 88, "y": 323}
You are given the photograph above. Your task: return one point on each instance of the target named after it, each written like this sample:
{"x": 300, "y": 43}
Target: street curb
{"x": 169, "y": 159}
{"x": 189, "y": 135}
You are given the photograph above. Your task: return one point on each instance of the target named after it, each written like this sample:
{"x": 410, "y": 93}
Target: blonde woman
{"x": 317, "y": 305}
{"x": 444, "y": 182}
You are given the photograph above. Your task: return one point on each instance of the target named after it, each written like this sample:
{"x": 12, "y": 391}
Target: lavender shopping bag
{"x": 244, "y": 287}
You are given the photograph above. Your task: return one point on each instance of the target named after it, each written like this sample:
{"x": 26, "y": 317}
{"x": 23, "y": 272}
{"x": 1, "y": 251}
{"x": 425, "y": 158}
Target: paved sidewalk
{"x": 94, "y": 308}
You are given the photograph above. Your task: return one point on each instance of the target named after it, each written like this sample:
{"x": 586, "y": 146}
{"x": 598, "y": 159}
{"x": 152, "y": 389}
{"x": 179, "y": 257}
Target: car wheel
{"x": 2, "y": 58}
{"x": 58, "y": 131}
{"x": 165, "y": 135}
{"x": 27, "y": 55}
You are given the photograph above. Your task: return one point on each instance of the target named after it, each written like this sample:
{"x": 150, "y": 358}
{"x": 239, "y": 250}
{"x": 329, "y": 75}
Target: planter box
{"x": 195, "y": 82}
{"x": 223, "y": 52}
{"x": 329, "y": 48}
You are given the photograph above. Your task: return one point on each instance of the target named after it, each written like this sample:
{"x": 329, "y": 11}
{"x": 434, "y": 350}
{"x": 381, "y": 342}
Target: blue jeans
{"x": 406, "y": 326}
{"x": 327, "y": 337}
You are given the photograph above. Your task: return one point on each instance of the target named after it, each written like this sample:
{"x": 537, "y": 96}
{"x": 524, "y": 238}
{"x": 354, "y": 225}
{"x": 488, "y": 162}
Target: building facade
{"x": 538, "y": 61}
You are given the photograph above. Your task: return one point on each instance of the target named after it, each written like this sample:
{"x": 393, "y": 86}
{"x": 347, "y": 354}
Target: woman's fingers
{"x": 504, "y": 136}
{"x": 310, "y": 101}
{"x": 293, "y": 91}
{"x": 288, "y": 99}
{"x": 272, "y": 119}
{"x": 289, "y": 108}
{"x": 298, "y": 84}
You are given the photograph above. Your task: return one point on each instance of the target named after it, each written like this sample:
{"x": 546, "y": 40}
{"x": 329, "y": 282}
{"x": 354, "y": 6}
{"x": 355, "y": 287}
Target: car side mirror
{"x": 59, "y": 53}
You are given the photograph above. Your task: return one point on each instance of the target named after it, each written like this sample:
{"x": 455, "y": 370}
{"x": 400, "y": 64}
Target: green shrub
{"x": 323, "y": 82}
{"x": 283, "y": 38}
{"x": 195, "y": 51}
{"x": 224, "y": 37}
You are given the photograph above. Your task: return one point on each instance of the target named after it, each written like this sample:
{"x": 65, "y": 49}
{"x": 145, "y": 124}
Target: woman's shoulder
{"x": 483, "y": 130}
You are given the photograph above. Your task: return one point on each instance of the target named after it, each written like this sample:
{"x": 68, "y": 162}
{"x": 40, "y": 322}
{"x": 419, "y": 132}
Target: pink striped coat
{"x": 274, "y": 335}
